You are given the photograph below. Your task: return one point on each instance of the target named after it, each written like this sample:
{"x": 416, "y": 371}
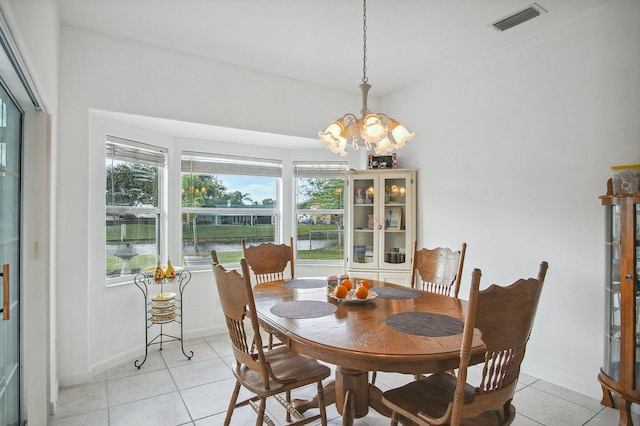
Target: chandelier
{"x": 377, "y": 130}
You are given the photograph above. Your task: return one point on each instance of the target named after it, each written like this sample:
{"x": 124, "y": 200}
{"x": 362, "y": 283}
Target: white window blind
{"x": 194, "y": 162}
{"x": 135, "y": 152}
{"x": 310, "y": 170}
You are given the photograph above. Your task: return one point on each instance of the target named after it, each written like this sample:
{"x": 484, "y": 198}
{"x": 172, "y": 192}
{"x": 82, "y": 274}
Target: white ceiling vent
{"x": 518, "y": 18}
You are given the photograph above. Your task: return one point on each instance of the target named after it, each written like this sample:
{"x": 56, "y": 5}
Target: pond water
{"x": 149, "y": 249}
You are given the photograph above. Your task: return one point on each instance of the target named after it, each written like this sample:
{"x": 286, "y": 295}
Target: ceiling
{"x": 321, "y": 41}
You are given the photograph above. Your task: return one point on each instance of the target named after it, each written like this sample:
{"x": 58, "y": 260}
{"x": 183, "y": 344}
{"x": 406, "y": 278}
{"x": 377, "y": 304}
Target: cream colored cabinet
{"x": 381, "y": 224}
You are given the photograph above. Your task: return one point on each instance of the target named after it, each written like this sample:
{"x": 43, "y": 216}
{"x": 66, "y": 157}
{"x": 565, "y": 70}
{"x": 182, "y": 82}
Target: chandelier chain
{"x": 364, "y": 42}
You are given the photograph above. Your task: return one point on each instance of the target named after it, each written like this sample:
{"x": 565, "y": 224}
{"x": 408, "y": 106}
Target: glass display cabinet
{"x": 620, "y": 374}
{"x": 381, "y": 224}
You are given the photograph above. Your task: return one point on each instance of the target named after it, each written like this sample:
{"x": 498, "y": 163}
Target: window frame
{"x": 135, "y": 152}
{"x": 207, "y": 163}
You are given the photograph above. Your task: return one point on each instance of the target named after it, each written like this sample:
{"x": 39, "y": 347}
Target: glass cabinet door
{"x": 364, "y": 220}
{"x": 613, "y": 290}
{"x": 394, "y": 222}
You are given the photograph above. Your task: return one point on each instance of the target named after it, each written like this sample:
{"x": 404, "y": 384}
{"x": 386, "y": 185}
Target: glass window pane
{"x": 224, "y": 233}
{"x": 230, "y": 191}
{"x": 132, "y": 243}
{"x": 320, "y": 237}
{"x": 323, "y": 193}
{"x": 319, "y": 213}
{"x": 131, "y": 184}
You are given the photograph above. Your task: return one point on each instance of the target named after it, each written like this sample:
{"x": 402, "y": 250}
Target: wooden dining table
{"x": 401, "y": 330}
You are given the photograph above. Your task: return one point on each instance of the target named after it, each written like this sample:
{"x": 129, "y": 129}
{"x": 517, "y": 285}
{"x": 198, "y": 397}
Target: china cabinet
{"x": 162, "y": 307}
{"x": 381, "y": 224}
{"x": 620, "y": 374}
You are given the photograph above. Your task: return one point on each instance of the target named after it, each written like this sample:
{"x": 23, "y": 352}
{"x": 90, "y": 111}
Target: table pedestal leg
{"x": 352, "y": 393}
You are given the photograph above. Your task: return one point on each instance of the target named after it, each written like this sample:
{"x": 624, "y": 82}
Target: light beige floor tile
{"x": 549, "y": 409}
{"x": 175, "y": 357}
{"x": 208, "y": 399}
{"x": 521, "y": 420}
{"x": 577, "y": 398}
{"x": 93, "y": 418}
{"x": 166, "y": 409}
{"x": 215, "y": 337}
{"x": 243, "y": 416}
{"x": 222, "y": 347}
{"x": 199, "y": 373}
{"x": 141, "y": 386}
{"x": 154, "y": 362}
{"x": 82, "y": 398}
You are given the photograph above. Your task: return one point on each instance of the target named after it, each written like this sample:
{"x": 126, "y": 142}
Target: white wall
{"x": 512, "y": 153}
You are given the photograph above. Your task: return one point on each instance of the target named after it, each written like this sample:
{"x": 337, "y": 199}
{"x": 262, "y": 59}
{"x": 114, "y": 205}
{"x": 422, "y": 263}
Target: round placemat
{"x": 306, "y": 283}
{"x": 425, "y": 324}
{"x": 398, "y": 293}
{"x": 303, "y": 309}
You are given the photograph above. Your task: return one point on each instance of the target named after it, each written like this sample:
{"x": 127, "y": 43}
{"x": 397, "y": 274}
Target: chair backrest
{"x": 438, "y": 270}
{"x": 236, "y": 298}
{"x": 504, "y": 316}
{"x": 268, "y": 261}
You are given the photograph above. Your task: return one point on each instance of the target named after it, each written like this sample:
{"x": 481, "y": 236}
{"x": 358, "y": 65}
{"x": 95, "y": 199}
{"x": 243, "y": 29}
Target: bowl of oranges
{"x": 346, "y": 292}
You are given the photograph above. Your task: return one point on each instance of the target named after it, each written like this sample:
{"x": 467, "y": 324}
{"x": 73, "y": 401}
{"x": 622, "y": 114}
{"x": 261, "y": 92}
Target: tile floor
{"x": 170, "y": 390}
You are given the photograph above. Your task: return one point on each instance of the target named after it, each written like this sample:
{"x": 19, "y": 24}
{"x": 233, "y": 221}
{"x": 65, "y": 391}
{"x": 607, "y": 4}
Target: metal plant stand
{"x": 150, "y": 287}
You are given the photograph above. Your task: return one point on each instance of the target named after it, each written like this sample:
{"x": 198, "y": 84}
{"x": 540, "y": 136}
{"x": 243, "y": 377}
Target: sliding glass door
{"x": 10, "y": 184}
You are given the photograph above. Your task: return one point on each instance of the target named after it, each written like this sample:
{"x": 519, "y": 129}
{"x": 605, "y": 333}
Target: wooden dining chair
{"x": 437, "y": 270}
{"x": 504, "y": 316}
{"x": 268, "y": 261}
{"x": 263, "y": 373}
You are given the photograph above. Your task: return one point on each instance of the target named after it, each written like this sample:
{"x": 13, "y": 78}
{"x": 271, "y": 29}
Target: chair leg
{"x": 263, "y": 405}
{"x": 288, "y": 396}
{"x": 394, "y": 419}
{"x": 373, "y": 377}
{"x": 232, "y": 404}
{"x": 321, "y": 405}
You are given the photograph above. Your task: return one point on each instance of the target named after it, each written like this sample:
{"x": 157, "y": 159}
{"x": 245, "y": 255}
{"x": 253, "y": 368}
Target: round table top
{"x": 357, "y": 336}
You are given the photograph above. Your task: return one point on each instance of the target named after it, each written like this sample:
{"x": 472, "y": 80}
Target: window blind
{"x": 194, "y": 162}
{"x": 135, "y": 152}
{"x": 314, "y": 169}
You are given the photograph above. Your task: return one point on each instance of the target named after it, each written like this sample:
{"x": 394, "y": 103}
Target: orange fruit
{"x": 347, "y": 284}
{"x": 365, "y": 283}
{"x": 362, "y": 292}
{"x": 340, "y": 292}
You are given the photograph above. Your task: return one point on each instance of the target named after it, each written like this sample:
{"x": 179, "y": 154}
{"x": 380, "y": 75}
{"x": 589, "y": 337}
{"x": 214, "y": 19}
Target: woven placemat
{"x": 306, "y": 283}
{"x": 303, "y": 309}
{"x": 425, "y": 324}
{"x": 398, "y": 293}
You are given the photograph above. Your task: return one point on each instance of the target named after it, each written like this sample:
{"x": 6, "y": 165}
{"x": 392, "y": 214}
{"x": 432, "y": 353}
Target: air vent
{"x": 519, "y": 17}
